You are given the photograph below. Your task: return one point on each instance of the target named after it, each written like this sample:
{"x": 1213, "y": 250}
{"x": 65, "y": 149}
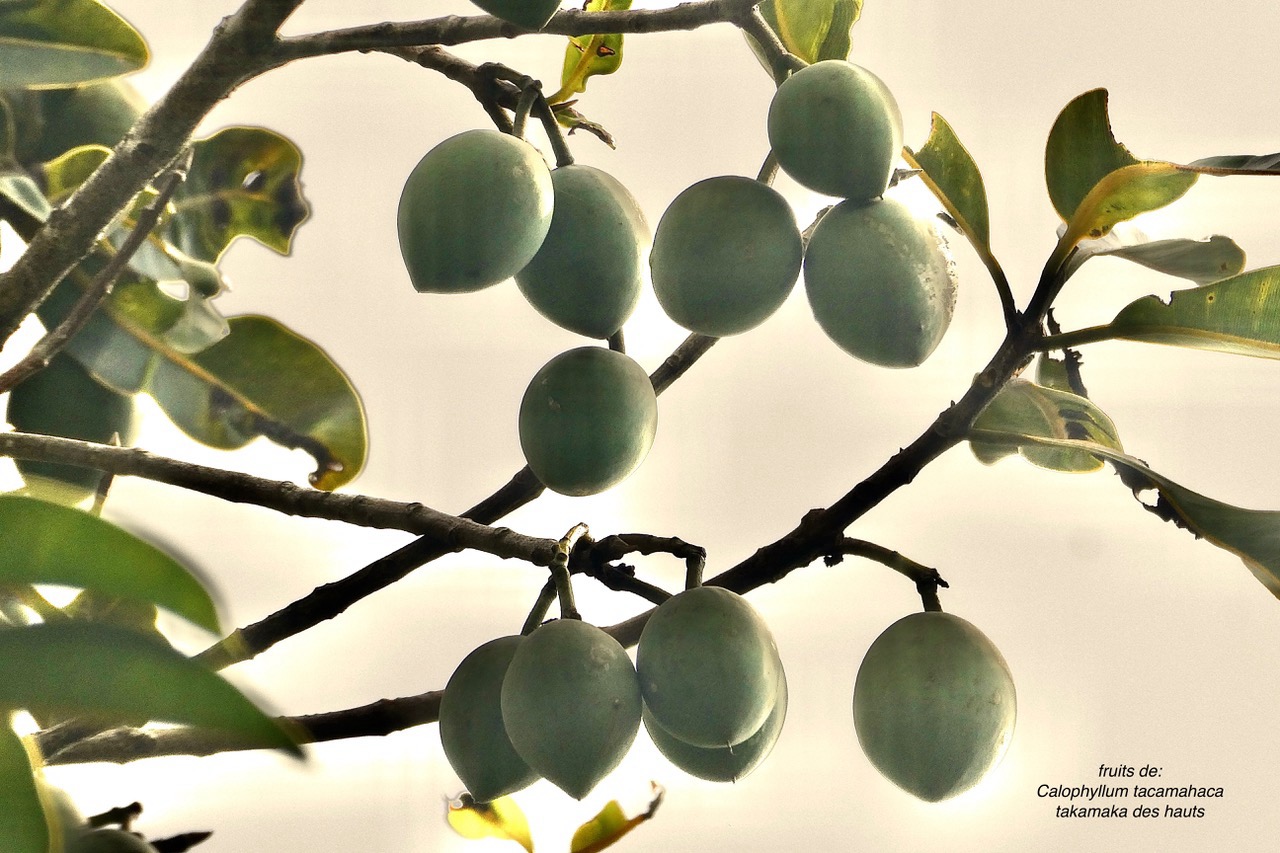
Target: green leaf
{"x": 588, "y": 56}
{"x": 243, "y": 182}
{"x": 1052, "y": 373}
{"x": 74, "y": 667}
{"x": 950, "y": 172}
{"x": 813, "y": 30}
{"x": 1025, "y": 408}
{"x": 43, "y": 543}
{"x": 1252, "y": 535}
{"x": 501, "y": 819}
{"x": 23, "y": 825}
{"x": 20, "y": 190}
{"x": 1201, "y": 261}
{"x": 59, "y": 43}
{"x": 263, "y": 379}
{"x": 1081, "y": 151}
{"x": 1239, "y": 315}
{"x": 1239, "y": 163}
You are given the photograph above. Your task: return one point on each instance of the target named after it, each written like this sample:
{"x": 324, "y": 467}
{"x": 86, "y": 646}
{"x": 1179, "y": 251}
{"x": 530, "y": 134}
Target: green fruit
{"x": 725, "y": 256}
{"x": 530, "y": 14}
{"x": 473, "y": 212}
{"x": 835, "y": 127}
{"x": 586, "y": 277}
{"x": 110, "y": 841}
{"x": 880, "y": 282}
{"x": 64, "y": 400}
{"x": 571, "y": 704}
{"x": 724, "y": 763}
{"x": 471, "y": 729}
{"x": 587, "y": 420}
{"x": 934, "y": 705}
{"x": 96, "y": 114}
{"x": 708, "y": 667}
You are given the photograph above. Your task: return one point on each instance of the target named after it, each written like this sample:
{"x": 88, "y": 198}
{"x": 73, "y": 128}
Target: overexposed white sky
{"x": 1129, "y": 641}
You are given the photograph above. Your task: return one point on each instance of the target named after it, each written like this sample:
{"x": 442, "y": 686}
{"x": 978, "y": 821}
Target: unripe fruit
{"x": 571, "y": 704}
{"x": 724, "y": 763}
{"x": 586, "y": 277}
{"x": 934, "y": 705}
{"x": 110, "y": 841}
{"x": 725, "y": 256}
{"x": 880, "y": 282}
{"x": 473, "y": 212}
{"x": 64, "y": 400}
{"x": 471, "y": 728}
{"x": 587, "y": 420}
{"x": 708, "y": 667}
{"x": 530, "y": 14}
{"x": 836, "y": 128}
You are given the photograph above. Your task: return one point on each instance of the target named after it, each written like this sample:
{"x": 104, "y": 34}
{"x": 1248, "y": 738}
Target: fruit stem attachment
{"x": 560, "y": 571}
{"x": 782, "y": 64}
{"x": 530, "y": 90}
{"x": 540, "y": 607}
{"x": 927, "y": 580}
{"x": 768, "y": 169}
{"x": 617, "y": 343}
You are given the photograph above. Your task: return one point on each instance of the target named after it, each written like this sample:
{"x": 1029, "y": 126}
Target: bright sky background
{"x": 1130, "y": 642}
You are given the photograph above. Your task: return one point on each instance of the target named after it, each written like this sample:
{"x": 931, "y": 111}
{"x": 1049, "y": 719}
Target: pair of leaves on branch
{"x": 503, "y": 819}
{"x": 224, "y": 383}
{"x": 71, "y": 665}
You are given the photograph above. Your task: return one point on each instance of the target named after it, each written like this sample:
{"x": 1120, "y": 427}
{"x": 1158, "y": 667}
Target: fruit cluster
{"x": 483, "y": 206}
{"x": 565, "y": 702}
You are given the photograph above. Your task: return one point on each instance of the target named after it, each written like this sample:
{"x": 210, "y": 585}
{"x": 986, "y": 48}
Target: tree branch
{"x": 289, "y": 498}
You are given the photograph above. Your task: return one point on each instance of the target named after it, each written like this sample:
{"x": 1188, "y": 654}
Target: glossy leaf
{"x": 610, "y": 824}
{"x": 263, "y": 379}
{"x": 1252, "y": 535}
{"x": 501, "y": 819}
{"x": 85, "y": 667}
{"x": 1125, "y": 193}
{"x": 1239, "y": 315}
{"x": 588, "y": 56}
{"x": 813, "y": 30}
{"x": 43, "y": 543}
{"x": 58, "y": 43}
{"x": 243, "y": 181}
{"x": 23, "y": 825}
{"x": 1081, "y": 151}
{"x": 20, "y": 190}
{"x": 949, "y": 171}
{"x": 1052, "y": 373}
{"x": 1201, "y": 261}
{"x": 1025, "y": 408}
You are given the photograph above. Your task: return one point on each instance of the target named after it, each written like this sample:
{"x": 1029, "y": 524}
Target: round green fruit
{"x": 473, "y": 212}
{"x": 471, "y": 728}
{"x": 110, "y": 841}
{"x": 723, "y": 763}
{"x": 530, "y": 14}
{"x": 835, "y": 128}
{"x": 708, "y": 667}
{"x": 571, "y": 704}
{"x": 587, "y": 420}
{"x": 934, "y": 705}
{"x": 881, "y": 282}
{"x": 64, "y": 400}
{"x": 586, "y": 276}
{"x": 726, "y": 254}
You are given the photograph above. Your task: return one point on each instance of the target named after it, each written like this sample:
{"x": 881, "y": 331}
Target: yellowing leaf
{"x": 588, "y": 56}
{"x": 611, "y": 824}
{"x": 23, "y": 826}
{"x": 501, "y": 819}
{"x": 1027, "y": 409}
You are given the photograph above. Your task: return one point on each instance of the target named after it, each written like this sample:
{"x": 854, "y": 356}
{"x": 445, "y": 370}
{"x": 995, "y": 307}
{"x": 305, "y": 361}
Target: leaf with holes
{"x": 243, "y": 181}
{"x": 1025, "y": 408}
{"x": 264, "y": 380}
{"x": 589, "y": 56}
{"x": 1252, "y": 535}
{"x": 43, "y": 543}
{"x": 59, "y": 43}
